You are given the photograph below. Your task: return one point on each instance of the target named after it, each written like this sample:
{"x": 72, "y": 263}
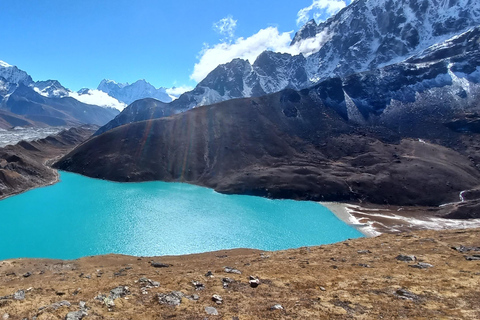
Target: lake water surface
{"x": 82, "y": 216}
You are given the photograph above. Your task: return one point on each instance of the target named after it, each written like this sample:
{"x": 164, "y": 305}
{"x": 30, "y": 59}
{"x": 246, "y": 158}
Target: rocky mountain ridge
{"x": 358, "y": 138}
{"x": 24, "y": 102}
{"x": 365, "y": 36}
{"x": 128, "y": 93}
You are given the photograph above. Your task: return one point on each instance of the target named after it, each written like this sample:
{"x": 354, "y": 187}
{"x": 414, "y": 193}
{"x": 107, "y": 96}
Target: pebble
{"x": 232, "y": 270}
{"x": 217, "y": 299}
{"x": 405, "y": 294}
{"x": 173, "y": 298}
{"x": 198, "y": 285}
{"x": 19, "y": 295}
{"x": 209, "y": 274}
{"x": 226, "y": 282}
{"x": 26, "y": 275}
{"x": 76, "y": 315}
{"x": 421, "y": 265}
{"x": 119, "y": 292}
{"x": 402, "y": 257}
{"x": 254, "y": 281}
{"x": 276, "y": 307}
{"x": 473, "y": 257}
{"x": 465, "y": 249}
{"x": 150, "y": 283}
{"x": 159, "y": 265}
{"x": 211, "y": 311}
{"x": 364, "y": 251}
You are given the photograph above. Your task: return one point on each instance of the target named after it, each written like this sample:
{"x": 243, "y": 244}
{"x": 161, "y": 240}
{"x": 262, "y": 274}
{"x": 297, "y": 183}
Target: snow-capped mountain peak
{"x": 128, "y": 93}
{"x": 14, "y": 75}
{"x": 4, "y": 64}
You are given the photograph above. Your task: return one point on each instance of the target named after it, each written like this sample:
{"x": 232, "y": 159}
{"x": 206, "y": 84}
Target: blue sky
{"x": 80, "y": 43}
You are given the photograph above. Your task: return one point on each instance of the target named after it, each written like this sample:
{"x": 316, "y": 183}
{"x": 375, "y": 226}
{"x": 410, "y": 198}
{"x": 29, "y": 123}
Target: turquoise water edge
{"x": 80, "y": 216}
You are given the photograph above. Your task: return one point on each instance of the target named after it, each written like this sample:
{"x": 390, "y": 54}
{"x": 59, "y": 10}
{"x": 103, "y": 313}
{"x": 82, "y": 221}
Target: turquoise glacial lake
{"x": 80, "y": 216}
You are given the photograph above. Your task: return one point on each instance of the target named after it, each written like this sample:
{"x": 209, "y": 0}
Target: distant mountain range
{"x": 366, "y": 35}
{"x": 128, "y": 93}
{"x": 24, "y": 102}
{"x": 393, "y": 117}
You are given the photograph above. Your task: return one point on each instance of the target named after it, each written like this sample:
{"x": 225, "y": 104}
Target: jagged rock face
{"x": 372, "y": 33}
{"x": 365, "y": 36}
{"x": 40, "y": 110}
{"x": 24, "y": 102}
{"x": 51, "y": 88}
{"x": 14, "y": 75}
{"x": 128, "y": 93}
{"x": 450, "y": 70}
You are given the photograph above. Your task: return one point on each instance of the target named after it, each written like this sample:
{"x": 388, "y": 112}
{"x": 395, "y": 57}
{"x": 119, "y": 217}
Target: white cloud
{"x": 320, "y": 10}
{"x": 99, "y": 98}
{"x": 226, "y": 27}
{"x": 251, "y": 47}
{"x": 175, "y": 92}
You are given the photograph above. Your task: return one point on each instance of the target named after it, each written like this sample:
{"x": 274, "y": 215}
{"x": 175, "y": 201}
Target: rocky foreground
{"x": 419, "y": 275}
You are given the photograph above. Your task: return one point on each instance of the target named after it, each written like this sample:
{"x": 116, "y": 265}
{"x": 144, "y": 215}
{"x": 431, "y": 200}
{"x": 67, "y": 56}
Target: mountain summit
{"x": 128, "y": 93}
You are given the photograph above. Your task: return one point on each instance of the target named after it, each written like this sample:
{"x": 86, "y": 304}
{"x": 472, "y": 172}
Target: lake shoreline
{"x": 341, "y": 211}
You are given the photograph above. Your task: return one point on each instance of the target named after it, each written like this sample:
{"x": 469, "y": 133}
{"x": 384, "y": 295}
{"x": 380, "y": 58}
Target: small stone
{"x": 473, "y": 257}
{"x": 232, "y": 270}
{"x": 173, "y": 298}
{"x": 465, "y": 249}
{"x": 209, "y": 274}
{"x": 226, "y": 282}
{"x": 364, "y": 265}
{"x": 19, "y": 295}
{"x": 193, "y": 297}
{"x": 276, "y": 307}
{"x": 254, "y": 282}
{"x": 5, "y": 316}
{"x": 119, "y": 292}
{"x": 57, "y": 305}
{"x": 211, "y": 311}
{"x": 421, "y": 265}
{"x": 150, "y": 283}
{"x": 364, "y": 251}
{"x": 217, "y": 299}
{"x": 76, "y": 315}
{"x": 26, "y": 275}
{"x": 406, "y": 295}
{"x": 198, "y": 285}
{"x": 159, "y": 265}
{"x": 406, "y": 258}
{"x": 322, "y": 289}
{"x": 82, "y": 305}
{"x": 108, "y": 301}
{"x": 100, "y": 297}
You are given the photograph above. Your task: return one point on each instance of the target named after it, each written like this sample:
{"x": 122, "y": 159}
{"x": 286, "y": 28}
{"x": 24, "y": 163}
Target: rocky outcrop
{"x": 24, "y": 166}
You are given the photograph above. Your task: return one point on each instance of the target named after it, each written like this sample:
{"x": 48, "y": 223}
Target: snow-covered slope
{"x": 366, "y": 35}
{"x": 24, "y": 102}
{"x": 14, "y": 75}
{"x": 373, "y": 33}
{"x": 447, "y": 73}
{"x": 128, "y": 93}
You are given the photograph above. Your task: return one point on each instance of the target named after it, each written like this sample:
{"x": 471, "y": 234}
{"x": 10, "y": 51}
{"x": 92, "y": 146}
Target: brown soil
{"x": 355, "y": 279}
